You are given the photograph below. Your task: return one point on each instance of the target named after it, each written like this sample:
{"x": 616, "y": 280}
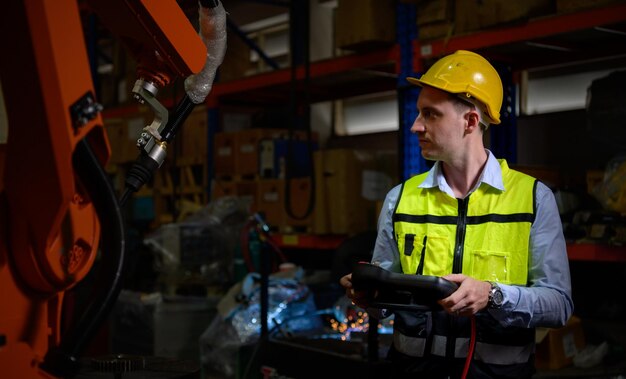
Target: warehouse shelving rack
{"x": 547, "y": 41}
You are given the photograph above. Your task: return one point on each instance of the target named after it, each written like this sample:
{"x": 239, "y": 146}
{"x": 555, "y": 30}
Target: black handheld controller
{"x": 400, "y": 291}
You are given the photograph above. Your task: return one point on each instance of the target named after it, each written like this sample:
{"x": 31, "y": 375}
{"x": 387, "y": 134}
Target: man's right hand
{"x": 359, "y": 298}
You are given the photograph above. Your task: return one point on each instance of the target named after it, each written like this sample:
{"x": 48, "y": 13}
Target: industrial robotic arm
{"x": 58, "y": 211}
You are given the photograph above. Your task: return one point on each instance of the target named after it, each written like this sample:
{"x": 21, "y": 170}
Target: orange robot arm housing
{"x": 50, "y": 222}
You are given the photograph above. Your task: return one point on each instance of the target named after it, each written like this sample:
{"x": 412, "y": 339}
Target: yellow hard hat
{"x": 468, "y": 74}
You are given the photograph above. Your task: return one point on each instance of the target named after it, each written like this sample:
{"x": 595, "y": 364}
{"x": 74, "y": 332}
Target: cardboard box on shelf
{"x": 271, "y": 203}
{"x": 436, "y": 30}
{"x": 435, "y": 19}
{"x": 236, "y": 64}
{"x": 569, "y": 6}
{"x": 194, "y": 137}
{"x": 472, "y": 15}
{"x": 364, "y": 24}
{"x": 223, "y": 188}
{"x": 276, "y": 153}
{"x": 248, "y": 189}
{"x": 556, "y": 347}
{"x": 224, "y": 155}
{"x": 247, "y": 144}
{"x": 435, "y": 11}
{"x": 349, "y": 183}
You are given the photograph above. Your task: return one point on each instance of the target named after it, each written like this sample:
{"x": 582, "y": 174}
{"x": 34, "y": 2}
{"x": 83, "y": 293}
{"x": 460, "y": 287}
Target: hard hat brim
{"x": 414, "y": 81}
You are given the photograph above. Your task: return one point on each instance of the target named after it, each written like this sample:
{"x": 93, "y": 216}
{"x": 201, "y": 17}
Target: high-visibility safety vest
{"x": 484, "y": 236}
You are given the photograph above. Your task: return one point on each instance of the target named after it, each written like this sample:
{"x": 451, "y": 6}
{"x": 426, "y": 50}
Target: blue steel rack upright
{"x": 410, "y": 157}
{"x": 503, "y": 137}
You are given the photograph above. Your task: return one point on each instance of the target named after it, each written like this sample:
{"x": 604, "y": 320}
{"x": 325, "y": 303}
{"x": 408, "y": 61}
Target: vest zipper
{"x": 457, "y": 268}
{"x": 457, "y": 264}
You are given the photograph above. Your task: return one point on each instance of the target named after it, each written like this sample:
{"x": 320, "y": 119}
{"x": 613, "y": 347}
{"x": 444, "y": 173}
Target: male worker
{"x": 472, "y": 220}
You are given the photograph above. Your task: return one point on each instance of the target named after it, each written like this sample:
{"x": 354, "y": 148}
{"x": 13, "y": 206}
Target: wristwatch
{"x": 496, "y": 298}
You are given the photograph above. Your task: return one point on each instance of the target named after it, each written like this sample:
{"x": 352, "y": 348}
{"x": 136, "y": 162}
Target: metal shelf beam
{"x": 536, "y": 28}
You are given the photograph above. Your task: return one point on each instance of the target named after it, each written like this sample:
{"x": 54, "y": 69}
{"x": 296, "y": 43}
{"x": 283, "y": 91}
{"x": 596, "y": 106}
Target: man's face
{"x": 439, "y": 126}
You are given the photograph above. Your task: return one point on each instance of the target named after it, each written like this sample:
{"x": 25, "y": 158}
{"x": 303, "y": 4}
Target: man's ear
{"x": 473, "y": 121}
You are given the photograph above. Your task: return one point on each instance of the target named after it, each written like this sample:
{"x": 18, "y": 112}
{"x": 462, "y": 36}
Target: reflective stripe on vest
{"x": 484, "y": 236}
{"x": 485, "y": 352}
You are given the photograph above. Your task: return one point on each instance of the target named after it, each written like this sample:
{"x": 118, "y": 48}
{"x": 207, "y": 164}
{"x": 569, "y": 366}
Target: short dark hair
{"x": 463, "y": 105}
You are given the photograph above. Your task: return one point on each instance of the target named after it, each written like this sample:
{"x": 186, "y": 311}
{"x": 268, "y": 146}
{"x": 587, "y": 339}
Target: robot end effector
{"x": 173, "y": 48}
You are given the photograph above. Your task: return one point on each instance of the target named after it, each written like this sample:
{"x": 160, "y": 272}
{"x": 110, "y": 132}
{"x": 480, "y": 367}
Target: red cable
{"x": 470, "y": 351}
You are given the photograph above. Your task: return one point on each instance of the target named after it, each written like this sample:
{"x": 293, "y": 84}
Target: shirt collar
{"x": 491, "y": 175}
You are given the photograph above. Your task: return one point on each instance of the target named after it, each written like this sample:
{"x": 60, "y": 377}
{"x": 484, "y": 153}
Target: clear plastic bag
{"x": 198, "y": 252}
{"x": 238, "y": 322}
{"x": 611, "y": 191}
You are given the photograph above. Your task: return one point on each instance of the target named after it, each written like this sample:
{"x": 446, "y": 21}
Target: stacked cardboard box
{"x": 474, "y": 15}
{"x": 435, "y": 19}
{"x": 556, "y": 347}
{"x": 364, "y": 24}
{"x": 252, "y": 163}
{"x": 349, "y": 187}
